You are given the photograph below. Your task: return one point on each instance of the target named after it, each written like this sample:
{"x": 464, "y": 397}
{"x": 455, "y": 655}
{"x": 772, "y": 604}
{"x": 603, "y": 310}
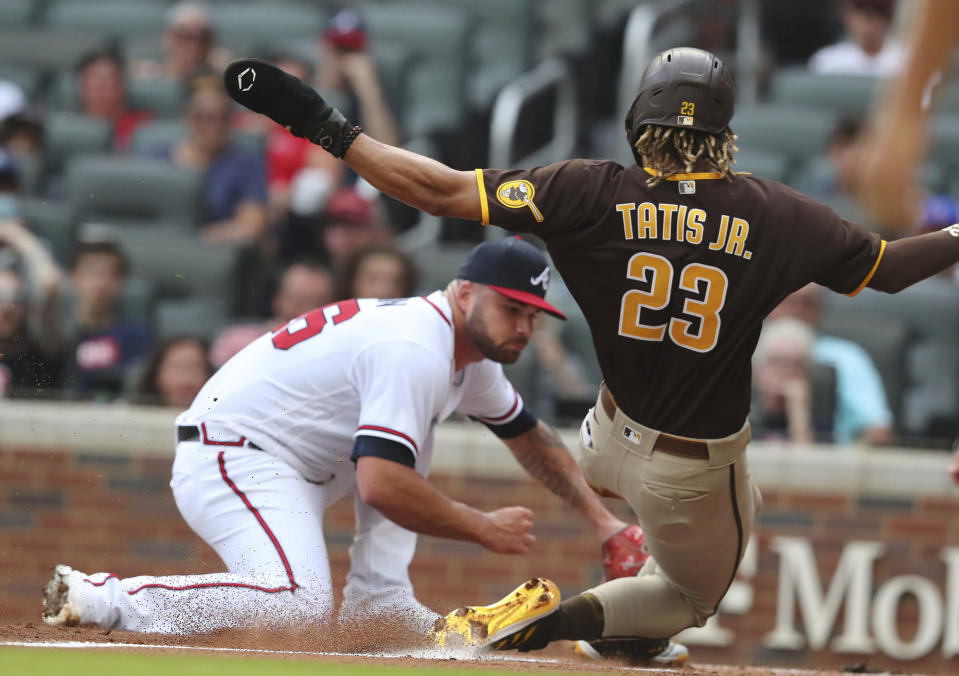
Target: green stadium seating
{"x": 17, "y": 12}
{"x": 848, "y": 95}
{"x": 886, "y": 341}
{"x": 181, "y": 267}
{"x": 134, "y": 191}
{"x": 763, "y": 164}
{"x": 52, "y": 222}
{"x": 434, "y": 35}
{"x": 243, "y": 26}
{"x": 153, "y": 136}
{"x": 29, "y": 80}
{"x": 106, "y": 17}
{"x": 69, "y": 135}
{"x": 500, "y": 44}
{"x": 46, "y": 51}
{"x": 798, "y": 133}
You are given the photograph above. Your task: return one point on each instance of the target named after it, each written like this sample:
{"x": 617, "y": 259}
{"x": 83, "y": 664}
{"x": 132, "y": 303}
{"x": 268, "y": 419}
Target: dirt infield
{"x": 352, "y": 647}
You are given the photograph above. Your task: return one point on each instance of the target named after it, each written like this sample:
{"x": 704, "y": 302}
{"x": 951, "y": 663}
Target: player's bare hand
{"x": 507, "y": 530}
{"x": 954, "y": 468}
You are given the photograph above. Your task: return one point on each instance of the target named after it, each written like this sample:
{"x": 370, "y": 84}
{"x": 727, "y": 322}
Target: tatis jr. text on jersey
{"x": 678, "y": 222}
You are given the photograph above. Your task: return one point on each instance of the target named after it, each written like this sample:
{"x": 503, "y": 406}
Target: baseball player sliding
{"x": 341, "y": 402}
{"x": 675, "y": 261}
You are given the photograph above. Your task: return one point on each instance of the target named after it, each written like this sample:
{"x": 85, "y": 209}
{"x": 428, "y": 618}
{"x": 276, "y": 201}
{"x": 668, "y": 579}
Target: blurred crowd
{"x": 311, "y": 230}
{"x": 307, "y": 231}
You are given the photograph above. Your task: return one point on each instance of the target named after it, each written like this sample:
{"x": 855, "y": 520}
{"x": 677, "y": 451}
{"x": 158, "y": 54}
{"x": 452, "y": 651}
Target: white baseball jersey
{"x": 382, "y": 368}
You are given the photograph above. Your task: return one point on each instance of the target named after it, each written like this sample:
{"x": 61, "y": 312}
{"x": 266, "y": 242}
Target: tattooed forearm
{"x": 545, "y": 458}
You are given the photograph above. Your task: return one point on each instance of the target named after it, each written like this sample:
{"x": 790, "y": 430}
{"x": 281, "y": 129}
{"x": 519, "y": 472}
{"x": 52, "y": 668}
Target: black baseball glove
{"x": 290, "y": 102}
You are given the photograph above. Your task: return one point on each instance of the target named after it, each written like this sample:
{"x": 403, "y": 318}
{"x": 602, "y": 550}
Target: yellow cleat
{"x": 500, "y": 624}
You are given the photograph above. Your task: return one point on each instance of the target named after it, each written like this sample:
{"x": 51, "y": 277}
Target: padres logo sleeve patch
{"x": 518, "y": 194}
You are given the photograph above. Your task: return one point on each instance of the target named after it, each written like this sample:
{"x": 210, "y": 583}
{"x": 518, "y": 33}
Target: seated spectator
{"x": 303, "y": 286}
{"x": 22, "y": 135}
{"x": 351, "y": 222}
{"x": 177, "y": 370}
{"x": 103, "y": 346}
{"x": 235, "y": 192}
{"x": 869, "y": 49}
{"x": 862, "y": 412}
{"x": 378, "y": 272}
{"x": 188, "y": 45}
{"x": 782, "y": 382}
{"x": 842, "y": 156}
{"x": 42, "y": 274}
{"x": 101, "y": 93}
{"x": 28, "y": 368}
{"x": 347, "y": 74}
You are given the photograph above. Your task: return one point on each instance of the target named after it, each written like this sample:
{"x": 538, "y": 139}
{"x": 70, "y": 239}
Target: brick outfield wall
{"x": 112, "y": 512}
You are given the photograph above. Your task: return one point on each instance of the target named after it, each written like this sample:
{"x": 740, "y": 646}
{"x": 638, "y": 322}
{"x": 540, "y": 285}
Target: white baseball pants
{"x": 696, "y": 514}
{"x": 265, "y": 521}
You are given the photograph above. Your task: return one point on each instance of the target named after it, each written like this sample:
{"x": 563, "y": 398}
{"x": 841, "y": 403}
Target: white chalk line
{"x": 421, "y": 655}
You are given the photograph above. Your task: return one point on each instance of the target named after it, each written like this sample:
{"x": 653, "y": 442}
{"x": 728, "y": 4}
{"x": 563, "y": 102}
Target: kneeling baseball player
{"x": 342, "y": 402}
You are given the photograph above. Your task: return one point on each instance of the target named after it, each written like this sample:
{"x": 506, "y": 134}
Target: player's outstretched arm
{"x": 419, "y": 181}
{"x": 545, "y": 457}
{"x": 403, "y": 496}
{"x": 912, "y": 259}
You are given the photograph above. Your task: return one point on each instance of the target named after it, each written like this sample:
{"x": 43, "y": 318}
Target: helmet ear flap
{"x": 632, "y": 135}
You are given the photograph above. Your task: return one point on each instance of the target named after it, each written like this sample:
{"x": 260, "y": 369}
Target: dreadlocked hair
{"x": 671, "y": 150}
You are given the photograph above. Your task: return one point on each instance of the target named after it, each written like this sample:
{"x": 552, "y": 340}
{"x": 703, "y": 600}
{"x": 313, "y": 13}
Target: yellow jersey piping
{"x": 699, "y": 176}
{"x": 484, "y": 205}
{"x": 882, "y": 250}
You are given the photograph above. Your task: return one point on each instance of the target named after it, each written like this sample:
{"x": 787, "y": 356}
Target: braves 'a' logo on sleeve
{"x": 518, "y": 194}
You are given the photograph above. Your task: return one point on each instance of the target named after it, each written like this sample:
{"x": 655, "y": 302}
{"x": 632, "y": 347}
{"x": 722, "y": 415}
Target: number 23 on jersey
{"x": 705, "y": 305}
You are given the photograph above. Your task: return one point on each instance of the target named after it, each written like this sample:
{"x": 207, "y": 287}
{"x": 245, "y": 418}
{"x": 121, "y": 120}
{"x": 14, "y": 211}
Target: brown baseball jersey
{"x": 675, "y": 280}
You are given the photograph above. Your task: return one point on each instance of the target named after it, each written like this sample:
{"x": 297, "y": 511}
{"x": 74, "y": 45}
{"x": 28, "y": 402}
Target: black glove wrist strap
{"x": 330, "y": 130}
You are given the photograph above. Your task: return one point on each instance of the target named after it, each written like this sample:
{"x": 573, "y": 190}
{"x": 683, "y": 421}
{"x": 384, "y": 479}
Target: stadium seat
{"x": 930, "y": 310}
{"x": 563, "y": 27}
{"x": 437, "y": 37}
{"x": 847, "y": 95}
{"x": 155, "y": 136}
{"x": 577, "y": 338}
{"x": 763, "y": 164}
{"x": 944, "y": 140}
{"x": 44, "y": 50}
{"x": 824, "y": 395}
{"x": 17, "y": 12}
{"x": 52, "y": 223}
{"x": 500, "y": 45}
{"x": 69, "y": 135}
{"x": 798, "y": 133}
{"x": 886, "y": 341}
{"x": 192, "y": 317}
{"x": 29, "y": 80}
{"x": 133, "y": 191}
{"x": 243, "y": 26}
{"x": 163, "y": 98}
{"x": 106, "y": 17}
{"x": 180, "y": 266}
{"x": 817, "y": 177}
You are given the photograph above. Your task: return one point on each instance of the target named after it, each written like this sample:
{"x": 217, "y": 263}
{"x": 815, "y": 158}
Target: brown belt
{"x": 665, "y": 443}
